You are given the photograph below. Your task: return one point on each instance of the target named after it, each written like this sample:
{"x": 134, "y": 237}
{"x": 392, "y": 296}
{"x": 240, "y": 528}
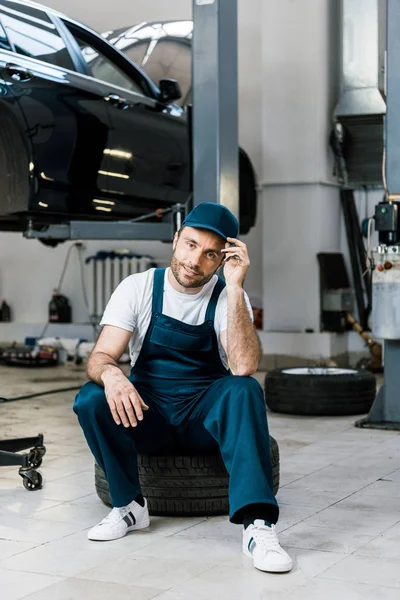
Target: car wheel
{"x": 51, "y": 243}
{"x": 247, "y": 193}
{"x": 14, "y": 166}
{"x": 316, "y": 391}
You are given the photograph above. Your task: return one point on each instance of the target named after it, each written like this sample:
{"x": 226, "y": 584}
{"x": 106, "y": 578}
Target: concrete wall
{"x": 301, "y": 211}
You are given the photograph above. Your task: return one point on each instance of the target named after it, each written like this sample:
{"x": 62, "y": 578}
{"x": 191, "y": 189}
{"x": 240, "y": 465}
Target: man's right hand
{"x": 124, "y": 400}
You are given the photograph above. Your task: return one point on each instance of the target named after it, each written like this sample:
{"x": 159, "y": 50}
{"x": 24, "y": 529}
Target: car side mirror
{"x": 170, "y": 90}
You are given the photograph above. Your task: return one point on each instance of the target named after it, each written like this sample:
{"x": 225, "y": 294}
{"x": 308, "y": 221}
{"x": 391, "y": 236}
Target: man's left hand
{"x": 236, "y": 262}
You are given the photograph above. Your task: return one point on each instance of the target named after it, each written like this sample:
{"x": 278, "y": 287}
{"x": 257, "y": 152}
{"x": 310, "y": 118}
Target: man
{"x": 193, "y": 348}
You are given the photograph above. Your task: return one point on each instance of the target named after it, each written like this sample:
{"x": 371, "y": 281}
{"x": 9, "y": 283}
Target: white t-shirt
{"x": 130, "y": 308}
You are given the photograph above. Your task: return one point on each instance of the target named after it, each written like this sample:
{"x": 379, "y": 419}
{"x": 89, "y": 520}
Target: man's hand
{"x": 124, "y": 401}
{"x": 236, "y": 262}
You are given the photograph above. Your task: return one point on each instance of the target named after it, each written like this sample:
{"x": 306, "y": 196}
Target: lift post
{"x": 385, "y": 412}
{"x": 215, "y": 103}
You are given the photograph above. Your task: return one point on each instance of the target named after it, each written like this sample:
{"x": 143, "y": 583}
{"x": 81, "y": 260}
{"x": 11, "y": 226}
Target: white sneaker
{"x": 261, "y": 543}
{"x": 120, "y": 521}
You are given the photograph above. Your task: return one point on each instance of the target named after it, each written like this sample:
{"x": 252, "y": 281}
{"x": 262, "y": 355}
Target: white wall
{"x": 301, "y": 209}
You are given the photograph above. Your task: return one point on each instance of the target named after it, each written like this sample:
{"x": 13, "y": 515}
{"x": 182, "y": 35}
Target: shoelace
{"x": 115, "y": 516}
{"x": 266, "y": 538}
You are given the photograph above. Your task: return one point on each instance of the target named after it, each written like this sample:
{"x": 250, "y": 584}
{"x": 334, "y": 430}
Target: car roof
{"x": 65, "y": 17}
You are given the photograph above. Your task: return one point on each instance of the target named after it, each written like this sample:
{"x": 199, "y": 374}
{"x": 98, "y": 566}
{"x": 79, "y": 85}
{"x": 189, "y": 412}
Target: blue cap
{"x": 215, "y": 217}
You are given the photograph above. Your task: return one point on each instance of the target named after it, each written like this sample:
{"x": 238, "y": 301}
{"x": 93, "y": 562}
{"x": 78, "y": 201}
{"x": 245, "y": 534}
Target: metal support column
{"x": 385, "y": 412}
{"x": 215, "y": 103}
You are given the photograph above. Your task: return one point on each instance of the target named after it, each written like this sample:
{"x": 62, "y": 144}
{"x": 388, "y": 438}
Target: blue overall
{"x": 195, "y": 406}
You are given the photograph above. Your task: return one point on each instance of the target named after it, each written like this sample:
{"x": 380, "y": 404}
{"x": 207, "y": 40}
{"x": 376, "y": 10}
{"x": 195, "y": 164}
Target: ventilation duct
{"x": 359, "y": 114}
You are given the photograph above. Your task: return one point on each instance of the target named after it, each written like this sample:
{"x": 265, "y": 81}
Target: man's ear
{"x": 175, "y": 240}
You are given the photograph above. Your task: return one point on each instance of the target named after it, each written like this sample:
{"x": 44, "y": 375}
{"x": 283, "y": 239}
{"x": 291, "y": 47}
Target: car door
{"x": 150, "y": 157}
{"x": 66, "y": 115}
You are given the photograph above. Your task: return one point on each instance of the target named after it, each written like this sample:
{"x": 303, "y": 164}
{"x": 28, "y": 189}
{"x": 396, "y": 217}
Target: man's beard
{"x": 198, "y": 280}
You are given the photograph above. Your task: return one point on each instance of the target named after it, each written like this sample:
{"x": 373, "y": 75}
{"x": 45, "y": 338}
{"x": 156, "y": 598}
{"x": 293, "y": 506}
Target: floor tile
{"x": 65, "y": 558}
{"x": 144, "y": 572}
{"x": 295, "y": 496}
{"x": 84, "y": 589}
{"x": 9, "y": 548}
{"x": 365, "y": 501}
{"x": 64, "y": 492}
{"x": 68, "y": 512}
{"x": 216, "y": 528}
{"x": 24, "y": 503}
{"x": 311, "y": 562}
{"x": 342, "y": 541}
{"x": 29, "y": 529}
{"x": 323, "y": 589}
{"x": 365, "y": 569}
{"x": 384, "y": 487}
{"x": 198, "y": 549}
{"x": 360, "y": 521}
{"x": 385, "y": 546}
{"x": 15, "y": 585}
{"x": 200, "y": 593}
{"x": 229, "y": 583}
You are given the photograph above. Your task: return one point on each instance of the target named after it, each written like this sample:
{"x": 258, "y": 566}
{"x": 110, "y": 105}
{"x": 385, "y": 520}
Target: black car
{"x": 84, "y": 132}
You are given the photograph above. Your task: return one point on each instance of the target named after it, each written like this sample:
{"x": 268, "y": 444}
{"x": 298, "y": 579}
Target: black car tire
{"x": 184, "y": 485}
{"x": 247, "y": 193}
{"x": 51, "y": 243}
{"x": 319, "y": 391}
{"x": 14, "y": 165}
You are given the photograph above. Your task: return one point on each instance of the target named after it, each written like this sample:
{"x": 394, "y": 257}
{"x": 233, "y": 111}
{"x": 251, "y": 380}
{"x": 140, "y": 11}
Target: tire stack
{"x": 184, "y": 485}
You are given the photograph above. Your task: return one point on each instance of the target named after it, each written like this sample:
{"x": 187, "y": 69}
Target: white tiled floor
{"x": 340, "y": 517}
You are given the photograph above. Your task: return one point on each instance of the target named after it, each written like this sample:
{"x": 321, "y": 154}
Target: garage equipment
{"x": 59, "y": 308}
{"x": 9, "y": 456}
{"x": 335, "y": 291}
{"x": 30, "y": 356}
{"x": 134, "y": 229}
{"x": 385, "y": 412}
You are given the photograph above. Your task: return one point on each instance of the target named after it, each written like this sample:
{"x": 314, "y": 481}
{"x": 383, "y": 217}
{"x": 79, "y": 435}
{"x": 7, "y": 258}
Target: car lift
{"x": 214, "y": 134}
{"x": 385, "y": 411}
{"x": 215, "y": 151}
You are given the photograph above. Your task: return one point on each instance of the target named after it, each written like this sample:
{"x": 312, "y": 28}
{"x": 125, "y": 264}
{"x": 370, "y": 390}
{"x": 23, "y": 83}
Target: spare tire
{"x": 184, "y": 485}
{"x": 317, "y": 391}
{"x": 247, "y": 193}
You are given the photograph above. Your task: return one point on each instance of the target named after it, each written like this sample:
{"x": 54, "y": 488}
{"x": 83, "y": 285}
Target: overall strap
{"x": 212, "y": 305}
{"x": 158, "y": 291}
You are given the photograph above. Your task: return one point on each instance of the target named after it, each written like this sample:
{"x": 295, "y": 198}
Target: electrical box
{"x": 387, "y": 222}
{"x": 340, "y": 300}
